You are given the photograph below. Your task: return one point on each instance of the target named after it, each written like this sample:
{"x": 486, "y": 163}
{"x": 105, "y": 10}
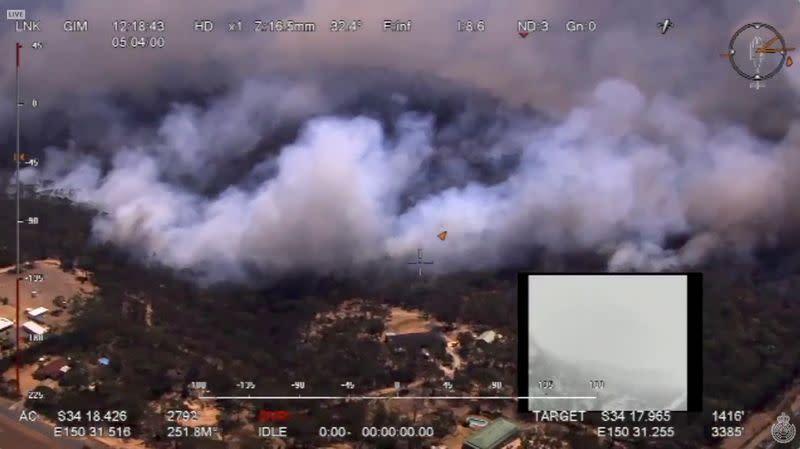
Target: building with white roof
{"x": 5, "y": 325}
{"x": 37, "y": 314}
{"x": 488, "y": 336}
{"x": 34, "y": 328}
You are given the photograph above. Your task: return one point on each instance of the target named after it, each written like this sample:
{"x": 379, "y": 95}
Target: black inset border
{"x": 694, "y": 329}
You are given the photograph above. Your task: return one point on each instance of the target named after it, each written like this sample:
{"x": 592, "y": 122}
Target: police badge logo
{"x": 783, "y": 431}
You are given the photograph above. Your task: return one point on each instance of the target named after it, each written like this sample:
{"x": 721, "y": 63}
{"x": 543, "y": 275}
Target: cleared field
{"x": 402, "y": 321}
{"x": 55, "y": 283}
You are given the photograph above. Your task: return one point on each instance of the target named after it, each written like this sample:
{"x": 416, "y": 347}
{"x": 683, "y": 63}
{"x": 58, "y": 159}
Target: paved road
{"x": 18, "y": 435}
{"x": 14, "y": 435}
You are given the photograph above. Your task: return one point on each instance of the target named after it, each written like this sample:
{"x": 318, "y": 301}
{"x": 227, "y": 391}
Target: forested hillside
{"x": 162, "y": 331}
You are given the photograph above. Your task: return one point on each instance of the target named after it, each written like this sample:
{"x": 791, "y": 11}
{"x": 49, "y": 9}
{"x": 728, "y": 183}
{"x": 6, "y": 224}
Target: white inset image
{"x": 608, "y": 342}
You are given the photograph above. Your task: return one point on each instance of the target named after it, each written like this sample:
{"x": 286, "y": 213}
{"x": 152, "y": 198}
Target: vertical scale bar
{"x": 19, "y": 105}
{"x": 17, "y": 157}
{"x": 17, "y": 356}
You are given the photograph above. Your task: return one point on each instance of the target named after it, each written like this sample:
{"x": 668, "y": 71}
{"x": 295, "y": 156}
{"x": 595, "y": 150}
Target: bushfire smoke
{"x": 223, "y": 154}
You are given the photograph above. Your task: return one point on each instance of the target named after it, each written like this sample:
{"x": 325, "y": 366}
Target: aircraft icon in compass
{"x": 757, "y": 52}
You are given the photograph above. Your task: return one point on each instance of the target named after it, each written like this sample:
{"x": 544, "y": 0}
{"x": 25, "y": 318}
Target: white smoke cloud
{"x": 192, "y": 139}
{"x": 620, "y": 173}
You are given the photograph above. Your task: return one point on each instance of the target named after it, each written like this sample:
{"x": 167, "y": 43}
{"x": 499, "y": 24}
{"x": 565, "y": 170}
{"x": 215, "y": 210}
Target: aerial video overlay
{"x": 608, "y": 342}
{"x": 411, "y": 224}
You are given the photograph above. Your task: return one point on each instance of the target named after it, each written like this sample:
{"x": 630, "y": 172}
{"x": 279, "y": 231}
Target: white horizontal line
{"x": 379, "y": 398}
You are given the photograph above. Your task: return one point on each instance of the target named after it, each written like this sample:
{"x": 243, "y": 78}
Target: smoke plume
{"x": 272, "y": 152}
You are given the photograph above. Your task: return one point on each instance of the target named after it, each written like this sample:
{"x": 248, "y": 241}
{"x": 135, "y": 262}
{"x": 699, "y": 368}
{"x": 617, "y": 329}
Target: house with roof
{"x": 500, "y": 434}
{"x": 6, "y": 326}
{"x": 416, "y": 341}
{"x": 35, "y": 331}
{"x": 488, "y": 337}
{"x": 38, "y": 314}
{"x": 53, "y": 370}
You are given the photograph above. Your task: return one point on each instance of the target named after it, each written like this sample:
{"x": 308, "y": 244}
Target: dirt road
{"x": 757, "y": 428}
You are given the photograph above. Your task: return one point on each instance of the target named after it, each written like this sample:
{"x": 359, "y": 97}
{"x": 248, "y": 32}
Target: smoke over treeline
{"x": 226, "y": 154}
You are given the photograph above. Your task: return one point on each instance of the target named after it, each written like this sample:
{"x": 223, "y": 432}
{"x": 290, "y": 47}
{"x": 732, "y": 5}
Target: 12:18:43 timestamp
{"x": 138, "y": 26}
